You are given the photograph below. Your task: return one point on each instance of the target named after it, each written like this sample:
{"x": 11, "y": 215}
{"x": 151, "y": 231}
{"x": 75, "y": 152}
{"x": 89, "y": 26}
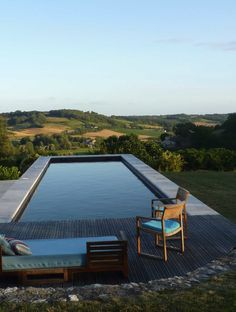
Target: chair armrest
{"x": 161, "y": 199}
{"x": 138, "y": 218}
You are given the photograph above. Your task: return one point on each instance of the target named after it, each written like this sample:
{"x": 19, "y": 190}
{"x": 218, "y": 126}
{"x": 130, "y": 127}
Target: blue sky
{"x": 118, "y": 56}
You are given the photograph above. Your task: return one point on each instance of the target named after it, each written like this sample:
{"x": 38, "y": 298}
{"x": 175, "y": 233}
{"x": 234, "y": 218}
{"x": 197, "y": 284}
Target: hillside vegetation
{"x": 22, "y": 124}
{"x": 187, "y": 146}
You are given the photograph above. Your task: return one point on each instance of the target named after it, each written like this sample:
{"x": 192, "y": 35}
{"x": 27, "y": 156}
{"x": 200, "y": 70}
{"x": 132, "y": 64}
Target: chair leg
{"x": 138, "y": 242}
{"x": 182, "y": 241}
{"x": 185, "y": 223}
{"x": 164, "y": 248}
{"x": 156, "y": 239}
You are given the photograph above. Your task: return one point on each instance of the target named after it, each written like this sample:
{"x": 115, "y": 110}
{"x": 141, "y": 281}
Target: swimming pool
{"x": 88, "y": 190}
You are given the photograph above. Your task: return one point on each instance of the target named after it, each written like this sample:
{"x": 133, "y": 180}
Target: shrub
{"x": 26, "y": 162}
{"x": 211, "y": 159}
{"x": 9, "y": 173}
{"x": 193, "y": 159}
{"x": 171, "y": 162}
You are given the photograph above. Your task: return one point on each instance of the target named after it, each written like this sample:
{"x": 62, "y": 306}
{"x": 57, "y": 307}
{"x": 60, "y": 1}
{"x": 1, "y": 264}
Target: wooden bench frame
{"x": 102, "y": 256}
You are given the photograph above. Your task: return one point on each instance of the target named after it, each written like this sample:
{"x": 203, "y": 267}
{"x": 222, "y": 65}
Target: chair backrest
{"x": 182, "y": 194}
{"x": 173, "y": 211}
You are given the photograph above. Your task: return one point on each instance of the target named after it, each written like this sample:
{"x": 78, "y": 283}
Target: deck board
{"x": 209, "y": 237}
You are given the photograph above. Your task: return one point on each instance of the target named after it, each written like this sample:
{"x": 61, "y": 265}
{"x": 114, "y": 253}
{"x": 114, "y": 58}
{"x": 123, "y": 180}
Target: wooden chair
{"x": 158, "y": 204}
{"x": 170, "y": 223}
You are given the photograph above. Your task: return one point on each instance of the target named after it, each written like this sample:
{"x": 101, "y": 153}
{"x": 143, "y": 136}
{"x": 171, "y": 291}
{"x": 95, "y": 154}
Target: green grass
{"x": 216, "y": 189}
{"x": 150, "y": 132}
{"x": 217, "y": 294}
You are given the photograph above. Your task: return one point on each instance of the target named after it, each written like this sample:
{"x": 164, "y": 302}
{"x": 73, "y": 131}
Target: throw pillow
{"x": 18, "y": 247}
{"x": 6, "y": 248}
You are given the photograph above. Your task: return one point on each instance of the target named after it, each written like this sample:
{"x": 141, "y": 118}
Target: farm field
{"x": 48, "y": 129}
{"x": 105, "y": 133}
{"x": 55, "y": 125}
{"x": 214, "y": 188}
{"x": 98, "y": 125}
{"x": 146, "y": 132}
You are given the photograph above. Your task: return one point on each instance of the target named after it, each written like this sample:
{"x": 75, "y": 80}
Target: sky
{"x": 118, "y": 57}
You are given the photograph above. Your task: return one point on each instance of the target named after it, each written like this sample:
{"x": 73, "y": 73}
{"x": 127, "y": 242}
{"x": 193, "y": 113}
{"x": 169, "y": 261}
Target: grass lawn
{"x": 216, "y": 189}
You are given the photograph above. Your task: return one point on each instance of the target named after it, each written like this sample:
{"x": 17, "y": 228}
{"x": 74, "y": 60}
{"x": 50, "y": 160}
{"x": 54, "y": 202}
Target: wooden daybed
{"x": 57, "y": 260}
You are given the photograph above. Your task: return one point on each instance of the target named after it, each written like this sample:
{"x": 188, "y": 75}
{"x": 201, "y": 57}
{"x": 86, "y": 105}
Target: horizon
{"x": 126, "y": 58}
{"x": 130, "y": 115}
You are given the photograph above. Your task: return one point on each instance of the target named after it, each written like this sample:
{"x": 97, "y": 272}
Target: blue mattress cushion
{"x": 155, "y": 225}
{"x": 53, "y": 253}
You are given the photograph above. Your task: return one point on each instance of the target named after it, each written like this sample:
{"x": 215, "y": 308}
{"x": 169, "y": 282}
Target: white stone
{"x": 73, "y": 298}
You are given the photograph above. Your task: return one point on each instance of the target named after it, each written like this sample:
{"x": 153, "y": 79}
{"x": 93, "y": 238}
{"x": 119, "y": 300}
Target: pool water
{"x": 88, "y": 190}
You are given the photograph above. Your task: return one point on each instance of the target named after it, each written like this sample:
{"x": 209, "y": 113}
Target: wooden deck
{"x": 209, "y": 237}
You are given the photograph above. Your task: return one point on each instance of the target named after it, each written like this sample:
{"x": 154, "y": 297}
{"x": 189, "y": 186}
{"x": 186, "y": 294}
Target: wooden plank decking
{"x": 209, "y": 237}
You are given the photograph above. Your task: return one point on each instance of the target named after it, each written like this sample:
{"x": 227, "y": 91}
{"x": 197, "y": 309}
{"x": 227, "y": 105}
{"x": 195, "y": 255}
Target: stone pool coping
{"x": 18, "y": 193}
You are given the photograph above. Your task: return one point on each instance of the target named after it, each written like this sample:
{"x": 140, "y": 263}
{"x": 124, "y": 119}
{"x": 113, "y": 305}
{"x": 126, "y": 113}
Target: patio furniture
{"x": 57, "y": 260}
{"x": 158, "y": 204}
{"x": 168, "y": 224}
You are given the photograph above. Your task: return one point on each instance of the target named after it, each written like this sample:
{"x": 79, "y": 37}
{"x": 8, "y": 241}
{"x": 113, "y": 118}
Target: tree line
{"x": 197, "y": 147}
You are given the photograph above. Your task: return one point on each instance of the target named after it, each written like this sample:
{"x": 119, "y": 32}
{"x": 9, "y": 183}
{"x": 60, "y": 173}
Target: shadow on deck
{"x": 209, "y": 237}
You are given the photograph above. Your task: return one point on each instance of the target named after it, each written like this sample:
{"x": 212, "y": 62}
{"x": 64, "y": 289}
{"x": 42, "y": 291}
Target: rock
{"x": 127, "y": 286}
{"x": 134, "y": 284}
{"x": 39, "y": 301}
{"x": 210, "y": 272}
{"x": 104, "y": 297}
{"x": 73, "y": 298}
{"x": 97, "y": 286}
{"x": 9, "y": 290}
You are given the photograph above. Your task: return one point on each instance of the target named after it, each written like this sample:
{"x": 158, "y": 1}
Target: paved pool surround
{"x": 14, "y": 200}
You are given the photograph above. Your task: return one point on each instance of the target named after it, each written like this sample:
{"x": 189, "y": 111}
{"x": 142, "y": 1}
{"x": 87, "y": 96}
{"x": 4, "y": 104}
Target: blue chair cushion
{"x": 155, "y": 225}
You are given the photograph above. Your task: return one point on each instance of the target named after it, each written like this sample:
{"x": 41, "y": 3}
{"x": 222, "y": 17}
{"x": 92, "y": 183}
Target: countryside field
{"x": 91, "y": 123}
{"x": 48, "y": 129}
{"x": 55, "y": 125}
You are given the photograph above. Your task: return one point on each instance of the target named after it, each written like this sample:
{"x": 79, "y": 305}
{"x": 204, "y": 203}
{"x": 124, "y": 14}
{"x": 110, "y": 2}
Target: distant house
{"x": 168, "y": 142}
{"x": 90, "y": 142}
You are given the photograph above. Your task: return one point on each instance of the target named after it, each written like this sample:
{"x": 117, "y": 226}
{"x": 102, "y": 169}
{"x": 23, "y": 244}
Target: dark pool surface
{"x": 88, "y": 190}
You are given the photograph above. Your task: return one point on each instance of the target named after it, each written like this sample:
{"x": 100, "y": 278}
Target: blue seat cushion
{"x": 155, "y": 225}
{"x": 53, "y": 253}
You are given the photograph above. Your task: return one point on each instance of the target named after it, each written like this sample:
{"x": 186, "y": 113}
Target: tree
{"x": 171, "y": 162}
{"x": 230, "y": 124}
{"x": 6, "y": 148}
{"x": 229, "y": 132}
{"x": 184, "y": 129}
